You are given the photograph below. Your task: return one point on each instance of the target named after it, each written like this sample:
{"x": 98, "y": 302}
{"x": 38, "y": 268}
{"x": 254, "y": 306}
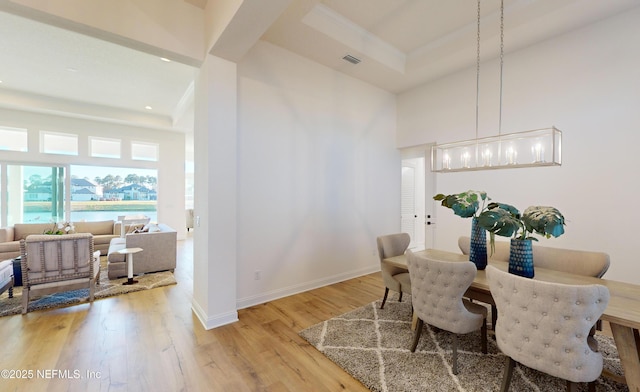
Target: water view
{"x": 78, "y": 216}
{"x": 35, "y": 212}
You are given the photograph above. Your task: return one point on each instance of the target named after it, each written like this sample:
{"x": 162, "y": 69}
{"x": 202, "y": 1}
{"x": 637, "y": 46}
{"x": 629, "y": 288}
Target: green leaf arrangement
{"x": 465, "y": 204}
{"x": 60, "y": 228}
{"x": 505, "y": 220}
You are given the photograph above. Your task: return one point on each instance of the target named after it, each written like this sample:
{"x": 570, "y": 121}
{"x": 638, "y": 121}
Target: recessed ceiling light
{"x": 70, "y": 69}
{"x": 165, "y": 59}
{"x": 148, "y": 107}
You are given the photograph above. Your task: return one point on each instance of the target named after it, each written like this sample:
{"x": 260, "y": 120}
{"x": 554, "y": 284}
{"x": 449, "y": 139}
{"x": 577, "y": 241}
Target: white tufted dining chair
{"x": 394, "y": 278}
{"x": 437, "y": 288}
{"x": 579, "y": 262}
{"x": 545, "y": 326}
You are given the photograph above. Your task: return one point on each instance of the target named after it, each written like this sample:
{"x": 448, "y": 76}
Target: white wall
{"x": 170, "y": 166}
{"x": 586, "y": 83}
{"x": 318, "y": 174}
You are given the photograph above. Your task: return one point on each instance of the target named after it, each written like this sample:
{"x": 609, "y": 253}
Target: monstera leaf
{"x": 505, "y": 220}
{"x": 465, "y": 204}
{"x": 546, "y": 221}
{"x": 501, "y": 219}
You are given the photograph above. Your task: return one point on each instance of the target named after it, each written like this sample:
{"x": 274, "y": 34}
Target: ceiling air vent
{"x": 351, "y": 59}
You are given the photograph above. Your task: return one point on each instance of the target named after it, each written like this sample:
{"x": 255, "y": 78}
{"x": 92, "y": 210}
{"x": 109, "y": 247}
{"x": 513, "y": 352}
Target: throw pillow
{"x": 153, "y": 228}
{"x": 135, "y": 228}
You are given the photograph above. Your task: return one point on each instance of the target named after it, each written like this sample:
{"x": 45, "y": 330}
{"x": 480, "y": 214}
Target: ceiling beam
{"x": 249, "y": 22}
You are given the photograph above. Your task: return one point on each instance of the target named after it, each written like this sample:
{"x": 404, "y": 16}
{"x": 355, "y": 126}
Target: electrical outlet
{"x": 257, "y": 275}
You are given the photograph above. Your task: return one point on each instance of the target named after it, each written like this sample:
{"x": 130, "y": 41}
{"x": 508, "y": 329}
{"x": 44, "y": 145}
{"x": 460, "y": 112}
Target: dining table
{"x": 622, "y": 312}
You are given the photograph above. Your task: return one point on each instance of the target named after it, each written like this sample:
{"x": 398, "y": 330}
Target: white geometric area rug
{"x": 372, "y": 345}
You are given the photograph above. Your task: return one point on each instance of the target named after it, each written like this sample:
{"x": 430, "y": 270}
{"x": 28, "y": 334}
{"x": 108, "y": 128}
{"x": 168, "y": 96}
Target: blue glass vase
{"x": 478, "y": 245}
{"x": 521, "y": 258}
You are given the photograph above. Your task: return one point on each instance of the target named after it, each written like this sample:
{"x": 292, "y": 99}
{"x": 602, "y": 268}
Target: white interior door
{"x": 409, "y": 209}
{"x": 416, "y": 203}
{"x": 412, "y": 204}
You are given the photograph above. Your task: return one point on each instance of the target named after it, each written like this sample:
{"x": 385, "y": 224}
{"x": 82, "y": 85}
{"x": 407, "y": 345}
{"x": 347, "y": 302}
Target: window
{"x": 31, "y": 193}
{"x": 104, "y": 148}
{"x": 143, "y": 151}
{"x": 58, "y": 143}
{"x": 102, "y": 193}
{"x": 3, "y": 196}
{"x": 13, "y": 139}
{"x": 35, "y": 194}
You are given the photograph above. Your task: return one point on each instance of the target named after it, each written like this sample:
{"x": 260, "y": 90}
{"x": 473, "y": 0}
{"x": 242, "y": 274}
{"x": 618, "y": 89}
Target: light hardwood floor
{"x": 151, "y": 341}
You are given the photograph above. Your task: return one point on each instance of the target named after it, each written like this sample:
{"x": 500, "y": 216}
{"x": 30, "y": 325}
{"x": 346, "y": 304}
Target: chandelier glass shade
{"x": 540, "y": 147}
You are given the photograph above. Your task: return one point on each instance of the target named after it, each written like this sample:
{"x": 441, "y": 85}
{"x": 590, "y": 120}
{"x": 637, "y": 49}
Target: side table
{"x": 130, "y": 252}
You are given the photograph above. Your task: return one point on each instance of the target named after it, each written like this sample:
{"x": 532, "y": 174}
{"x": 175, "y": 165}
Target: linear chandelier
{"x": 540, "y": 147}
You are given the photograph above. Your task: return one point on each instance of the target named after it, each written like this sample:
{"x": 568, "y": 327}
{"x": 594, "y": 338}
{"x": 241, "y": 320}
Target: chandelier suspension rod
{"x": 501, "y": 63}
{"x": 478, "y": 71}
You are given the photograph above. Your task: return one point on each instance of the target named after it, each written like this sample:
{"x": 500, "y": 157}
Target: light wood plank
{"x": 151, "y": 340}
{"x": 627, "y": 341}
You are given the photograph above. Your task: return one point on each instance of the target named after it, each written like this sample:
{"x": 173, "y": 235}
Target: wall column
{"x": 215, "y": 193}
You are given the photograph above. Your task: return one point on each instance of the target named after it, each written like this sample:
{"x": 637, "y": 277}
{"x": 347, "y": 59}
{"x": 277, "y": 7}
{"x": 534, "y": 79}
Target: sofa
{"x": 103, "y": 232}
{"x": 159, "y": 251}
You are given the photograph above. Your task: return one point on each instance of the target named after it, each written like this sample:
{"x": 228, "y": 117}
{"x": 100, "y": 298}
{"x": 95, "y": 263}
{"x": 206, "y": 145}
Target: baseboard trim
{"x": 302, "y": 287}
{"x": 210, "y": 322}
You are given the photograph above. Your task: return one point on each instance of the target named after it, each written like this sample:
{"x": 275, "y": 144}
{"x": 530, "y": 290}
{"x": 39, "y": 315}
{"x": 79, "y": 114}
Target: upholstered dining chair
{"x": 394, "y": 278}
{"x": 579, "y": 262}
{"x": 545, "y": 326}
{"x": 437, "y": 288}
{"x": 55, "y": 263}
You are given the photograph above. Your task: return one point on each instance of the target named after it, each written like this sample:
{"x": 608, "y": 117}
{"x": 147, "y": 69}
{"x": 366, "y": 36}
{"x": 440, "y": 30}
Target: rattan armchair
{"x": 55, "y": 263}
